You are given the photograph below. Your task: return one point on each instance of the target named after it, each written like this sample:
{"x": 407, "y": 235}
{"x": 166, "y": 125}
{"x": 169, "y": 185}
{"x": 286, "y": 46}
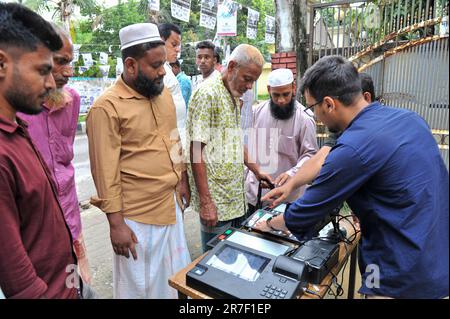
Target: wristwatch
{"x": 268, "y": 224}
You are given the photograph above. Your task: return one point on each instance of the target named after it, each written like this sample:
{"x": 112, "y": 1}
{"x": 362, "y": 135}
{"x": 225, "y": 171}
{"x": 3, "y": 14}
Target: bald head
{"x": 62, "y": 32}
{"x": 243, "y": 69}
{"x": 245, "y": 54}
{"x": 62, "y": 58}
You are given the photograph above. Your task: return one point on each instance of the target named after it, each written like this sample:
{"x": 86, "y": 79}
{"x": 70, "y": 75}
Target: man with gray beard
{"x": 53, "y": 131}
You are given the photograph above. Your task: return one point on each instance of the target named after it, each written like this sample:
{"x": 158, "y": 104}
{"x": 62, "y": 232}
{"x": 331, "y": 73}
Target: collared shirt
{"x": 279, "y": 146}
{"x": 214, "y": 120}
{"x": 186, "y": 87}
{"x": 212, "y": 76}
{"x": 53, "y": 132}
{"x": 36, "y": 255}
{"x": 387, "y": 166}
{"x": 135, "y": 154}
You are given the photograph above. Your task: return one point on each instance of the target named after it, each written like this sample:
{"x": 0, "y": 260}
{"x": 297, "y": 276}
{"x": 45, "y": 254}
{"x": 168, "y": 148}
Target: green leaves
{"x": 98, "y": 31}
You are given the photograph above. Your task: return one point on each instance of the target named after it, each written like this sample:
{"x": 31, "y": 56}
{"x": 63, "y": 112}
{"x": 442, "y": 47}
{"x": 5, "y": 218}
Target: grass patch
{"x": 263, "y": 97}
{"x": 82, "y": 118}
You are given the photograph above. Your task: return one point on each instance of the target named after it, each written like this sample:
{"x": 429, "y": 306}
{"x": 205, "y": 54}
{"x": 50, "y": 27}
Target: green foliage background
{"x": 99, "y": 32}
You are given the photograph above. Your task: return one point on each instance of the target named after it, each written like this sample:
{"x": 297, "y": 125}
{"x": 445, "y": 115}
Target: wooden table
{"x": 346, "y": 251}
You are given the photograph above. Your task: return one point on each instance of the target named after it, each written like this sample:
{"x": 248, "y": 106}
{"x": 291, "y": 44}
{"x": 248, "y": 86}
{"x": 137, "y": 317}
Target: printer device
{"x": 248, "y": 264}
{"x": 248, "y": 267}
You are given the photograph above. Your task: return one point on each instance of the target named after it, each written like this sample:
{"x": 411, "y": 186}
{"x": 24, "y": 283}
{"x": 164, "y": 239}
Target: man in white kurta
{"x": 283, "y": 137}
{"x": 171, "y": 35}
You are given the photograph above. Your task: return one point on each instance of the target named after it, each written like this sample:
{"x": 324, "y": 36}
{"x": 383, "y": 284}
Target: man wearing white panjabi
{"x": 171, "y": 35}
{"x": 283, "y": 136}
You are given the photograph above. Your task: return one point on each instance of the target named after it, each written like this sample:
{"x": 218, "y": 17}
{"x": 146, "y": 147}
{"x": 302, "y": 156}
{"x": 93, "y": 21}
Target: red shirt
{"x": 36, "y": 255}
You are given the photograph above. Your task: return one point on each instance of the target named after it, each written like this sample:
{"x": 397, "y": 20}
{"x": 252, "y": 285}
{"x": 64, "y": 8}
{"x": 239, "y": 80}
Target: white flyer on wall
{"x": 270, "y": 29}
{"x": 153, "y": 5}
{"x": 252, "y": 23}
{"x": 181, "y": 9}
{"x": 227, "y": 18}
{"x": 208, "y": 13}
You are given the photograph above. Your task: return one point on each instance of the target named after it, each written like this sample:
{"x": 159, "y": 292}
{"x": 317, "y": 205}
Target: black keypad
{"x": 273, "y": 292}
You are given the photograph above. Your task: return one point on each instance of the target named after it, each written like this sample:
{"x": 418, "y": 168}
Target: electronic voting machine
{"x": 247, "y": 264}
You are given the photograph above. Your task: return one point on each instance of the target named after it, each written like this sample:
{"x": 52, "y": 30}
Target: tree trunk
{"x": 66, "y": 8}
{"x": 291, "y": 20}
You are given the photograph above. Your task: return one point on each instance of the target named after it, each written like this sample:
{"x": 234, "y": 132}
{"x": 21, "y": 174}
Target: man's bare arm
{"x": 208, "y": 210}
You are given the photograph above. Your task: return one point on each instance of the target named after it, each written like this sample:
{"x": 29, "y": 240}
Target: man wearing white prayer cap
{"x": 131, "y": 136}
{"x": 283, "y": 137}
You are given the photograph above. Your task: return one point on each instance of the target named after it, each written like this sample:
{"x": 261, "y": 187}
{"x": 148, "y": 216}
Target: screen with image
{"x": 238, "y": 262}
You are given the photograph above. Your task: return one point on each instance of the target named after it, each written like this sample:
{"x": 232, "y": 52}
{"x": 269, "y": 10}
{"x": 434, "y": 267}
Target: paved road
{"x": 83, "y": 178}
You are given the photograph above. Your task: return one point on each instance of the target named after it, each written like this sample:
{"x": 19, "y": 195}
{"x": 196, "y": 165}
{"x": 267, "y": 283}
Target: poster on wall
{"x": 181, "y": 9}
{"x": 270, "y": 29}
{"x": 153, "y": 5}
{"x": 252, "y": 23}
{"x": 227, "y": 18}
{"x": 89, "y": 89}
{"x": 208, "y": 13}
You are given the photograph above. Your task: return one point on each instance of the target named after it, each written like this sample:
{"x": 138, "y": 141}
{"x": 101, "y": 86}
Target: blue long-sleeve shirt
{"x": 388, "y": 168}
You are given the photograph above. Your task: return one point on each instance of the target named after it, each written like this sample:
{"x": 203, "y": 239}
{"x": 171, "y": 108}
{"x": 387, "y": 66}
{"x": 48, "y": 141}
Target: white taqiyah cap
{"x": 280, "y": 77}
{"x": 138, "y": 33}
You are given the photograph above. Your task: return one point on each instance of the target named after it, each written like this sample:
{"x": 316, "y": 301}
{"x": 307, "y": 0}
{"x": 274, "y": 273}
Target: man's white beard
{"x": 57, "y": 98}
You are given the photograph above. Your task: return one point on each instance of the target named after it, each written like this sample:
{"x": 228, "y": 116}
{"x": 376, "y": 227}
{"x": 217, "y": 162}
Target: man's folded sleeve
{"x": 103, "y": 133}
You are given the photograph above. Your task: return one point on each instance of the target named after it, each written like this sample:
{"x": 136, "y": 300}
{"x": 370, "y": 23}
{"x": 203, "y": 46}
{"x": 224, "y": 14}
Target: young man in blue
{"x": 388, "y": 168}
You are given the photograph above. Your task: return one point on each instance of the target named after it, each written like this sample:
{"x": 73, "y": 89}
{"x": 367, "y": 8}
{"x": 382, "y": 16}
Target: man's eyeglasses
{"x": 311, "y": 107}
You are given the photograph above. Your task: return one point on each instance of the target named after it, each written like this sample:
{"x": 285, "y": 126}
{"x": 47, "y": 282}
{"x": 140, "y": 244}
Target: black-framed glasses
{"x": 317, "y": 103}
{"x": 311, "y": 107}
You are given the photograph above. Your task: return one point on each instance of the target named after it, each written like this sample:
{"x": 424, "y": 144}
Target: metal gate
{"x": 402, "y": 44}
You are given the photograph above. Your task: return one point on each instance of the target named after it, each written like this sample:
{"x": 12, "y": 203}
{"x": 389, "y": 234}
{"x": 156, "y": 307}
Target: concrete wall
{"x": 262, "y": 81}
{"x": 89, "y": 89}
